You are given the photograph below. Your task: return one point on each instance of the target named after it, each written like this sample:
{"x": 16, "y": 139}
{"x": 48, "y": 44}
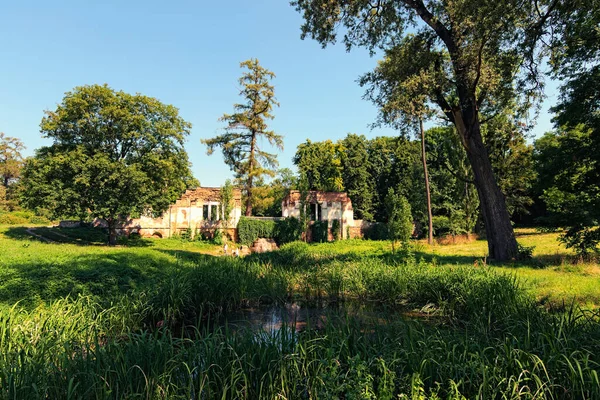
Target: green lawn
{"x": 32, "y": 271}
{"x": 80, "y": 263}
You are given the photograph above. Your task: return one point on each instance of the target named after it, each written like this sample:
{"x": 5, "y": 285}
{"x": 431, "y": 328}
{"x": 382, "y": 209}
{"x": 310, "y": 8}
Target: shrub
{"x": 38, "y": 220}
{"x": 319, "y": 231}
{"x": 218, "y": 237}
{"x": 441, "y": 225}
{"x": 525, "y": 252}
{"x": 288, "y": 230}
{"x": 399, "y": 224}
{"x": 377, "y": 231}
{"x": 336, "y": 229}
{"x": 186, "y": 234}
{"x": 251, "y": 229}
{"x": 11, "y": 219}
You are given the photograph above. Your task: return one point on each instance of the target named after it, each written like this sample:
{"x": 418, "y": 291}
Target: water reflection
{"x": 300, "y": 316}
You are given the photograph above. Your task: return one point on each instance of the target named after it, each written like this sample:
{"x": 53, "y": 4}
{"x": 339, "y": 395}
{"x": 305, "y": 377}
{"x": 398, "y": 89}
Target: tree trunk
{"x": 250, "y": 170}
{"x": 249, "y": 199}
{"x": 502, "y": 245}
{"x": 112, "y": 232}
{"x": 424, "y": 157}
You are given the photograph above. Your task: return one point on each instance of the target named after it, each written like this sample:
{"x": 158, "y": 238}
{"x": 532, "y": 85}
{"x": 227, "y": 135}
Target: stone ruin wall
{"x": 334, "y": 205}
{"x": 189, "y": 212}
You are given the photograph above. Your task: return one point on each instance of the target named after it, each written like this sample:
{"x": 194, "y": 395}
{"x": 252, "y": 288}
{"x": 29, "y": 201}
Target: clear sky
{"x": 185, "y": 53}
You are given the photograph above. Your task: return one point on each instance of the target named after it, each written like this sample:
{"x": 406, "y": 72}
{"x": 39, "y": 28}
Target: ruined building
{"x": 197, "y": 211}
{"x": 324, "y": 206}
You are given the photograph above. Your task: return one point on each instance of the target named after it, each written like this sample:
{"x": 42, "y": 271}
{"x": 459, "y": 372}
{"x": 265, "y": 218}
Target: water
{"x": 300, "y": 316}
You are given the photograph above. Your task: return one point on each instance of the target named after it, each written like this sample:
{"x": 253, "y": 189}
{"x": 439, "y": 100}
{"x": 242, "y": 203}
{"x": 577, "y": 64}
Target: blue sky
{"x": 185, "y": 53}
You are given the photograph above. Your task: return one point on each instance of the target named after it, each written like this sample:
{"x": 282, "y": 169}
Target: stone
{"x": 264, "y": 245}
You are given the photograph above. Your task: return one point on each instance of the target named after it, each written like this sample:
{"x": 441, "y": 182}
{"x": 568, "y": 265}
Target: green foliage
{"x": 568, "y": 164}
{"x": 251, "y": 229}
{"x": 525, "y": 252}
{"x": 357, "y": 178}
{"x": 320, "y": 231}
{"x": 11, "y": 160}
{"x": 114, "y": 155}
{"x": 267, "y": 197}
{"x": 11, "y": 165}
{"x": 400, "y": 221}
{"x": 336, "y": 230}
{"x": 246, "y": 126}
{"x": 226, "y": 200}
{"x": 512, "y": 160}
{"x": 321, "y": 165}
{"x": 218, "y": 237}
{"x": 377, "y": 231}
{"x": 22, "y": 218}
{"x": 12, "y": 219}
{"x": 288, "y": 230}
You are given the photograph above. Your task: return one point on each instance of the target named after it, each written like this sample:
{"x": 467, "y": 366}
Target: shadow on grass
{"x": 76, "y": 236}
{"x": 188, "y": 256}
{"x": 103, "y": 276}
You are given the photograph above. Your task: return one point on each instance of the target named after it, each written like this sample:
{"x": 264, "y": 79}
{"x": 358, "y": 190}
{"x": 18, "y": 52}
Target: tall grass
{"x": 72, "y": 350}
{"x": 161, "y": 341}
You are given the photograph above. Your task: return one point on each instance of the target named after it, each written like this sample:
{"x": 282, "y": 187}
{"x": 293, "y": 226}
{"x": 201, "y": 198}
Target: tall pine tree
{"x": 240, "y": 142}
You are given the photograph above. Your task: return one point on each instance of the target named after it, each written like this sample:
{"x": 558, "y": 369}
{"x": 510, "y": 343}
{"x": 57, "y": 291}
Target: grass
{"x": 134, "y": 321}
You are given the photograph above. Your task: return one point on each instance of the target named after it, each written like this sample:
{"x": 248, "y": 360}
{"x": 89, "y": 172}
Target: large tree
{"x": 468, "y": 53}
{"x": 321, "y": 164}
{"x": 114, "y": 155}
{"x": 11, "y": 160}
{"x": 246, "y": 126}
{"x": 568, "y": 159}
{"x": 11, "y": 164}
{"x": 357, "y": 175}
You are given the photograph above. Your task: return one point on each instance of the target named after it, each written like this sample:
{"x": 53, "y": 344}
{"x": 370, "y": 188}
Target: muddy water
{"x": 301, "y": 316}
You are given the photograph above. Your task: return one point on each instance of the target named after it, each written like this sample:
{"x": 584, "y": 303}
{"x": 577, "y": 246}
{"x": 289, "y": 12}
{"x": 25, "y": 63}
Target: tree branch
{"x": 444, "y": 33}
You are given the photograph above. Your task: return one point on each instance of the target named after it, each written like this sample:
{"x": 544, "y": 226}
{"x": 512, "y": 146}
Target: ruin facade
{"x": 321, "y": 206}
{"x": 197, "y": 211}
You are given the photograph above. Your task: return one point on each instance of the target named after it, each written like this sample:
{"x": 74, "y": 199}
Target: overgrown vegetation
{"x": 472, "y": 331}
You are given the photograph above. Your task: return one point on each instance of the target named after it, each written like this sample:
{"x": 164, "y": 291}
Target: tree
{"x": 226, "y": 200}
{"x": 267, "y": 197}
{"x": 568, "y": 164}
{"x": 453, "y": 191}
{"x": 11, "y": 164}
{"x": 400, "y": 224}
{"x": 468, "y": 55}
{"x": 321, "y": 164}
{"x": 240, "y": 142}
{"x": 568, "y": 159}
{"x": 114, "y": 155}
{"x": 11, "y": 160}
{"x": 357, "y": 176}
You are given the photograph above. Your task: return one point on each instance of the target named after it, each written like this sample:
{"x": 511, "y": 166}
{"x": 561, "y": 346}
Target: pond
{"x": 299, "y": 316}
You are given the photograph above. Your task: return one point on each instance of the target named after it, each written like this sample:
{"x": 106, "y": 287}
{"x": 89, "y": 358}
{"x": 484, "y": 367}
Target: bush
{"x": 251, "y": 229}
{"x": 11, "y": 219}
{"x": 218, "y": 237}
{"x": 38, "y": 220}
{"x": 320, "y": 231}
{"x": 441, "y": 225}
{"x": 336, "y": 229}
{"x": 377, "y": 231}
{"x": 288, "y": 230}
